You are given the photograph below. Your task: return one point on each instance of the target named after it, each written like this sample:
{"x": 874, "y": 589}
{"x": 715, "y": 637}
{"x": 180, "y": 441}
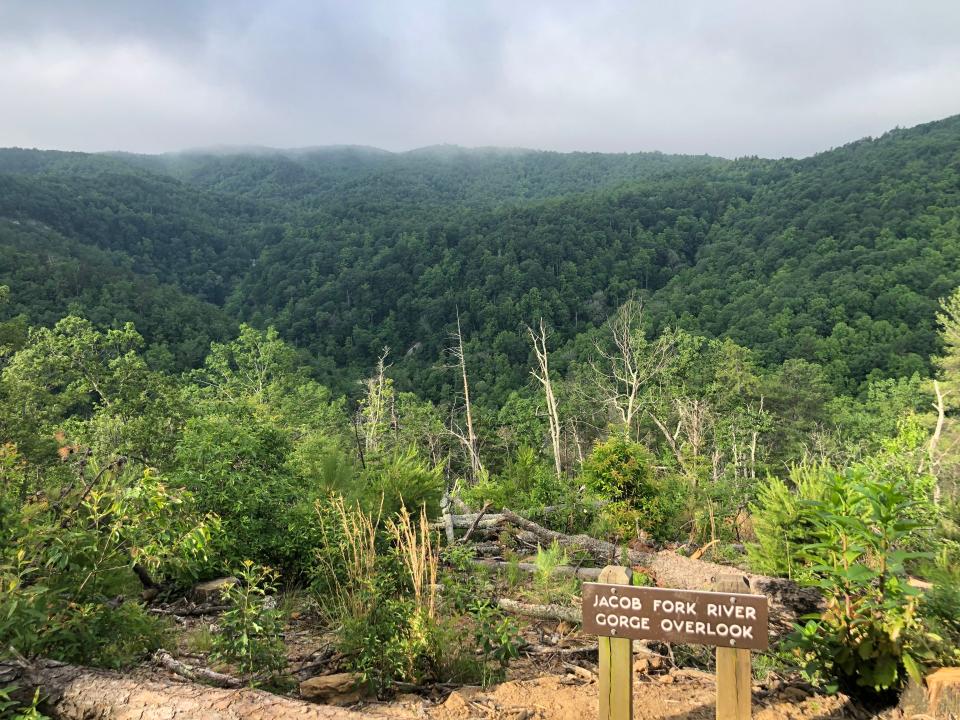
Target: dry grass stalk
{"x": 358, "y": 554}
{"x": 419, "y": 556}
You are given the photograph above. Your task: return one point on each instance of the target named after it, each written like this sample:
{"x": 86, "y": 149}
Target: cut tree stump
{"x": 71, "y": 692}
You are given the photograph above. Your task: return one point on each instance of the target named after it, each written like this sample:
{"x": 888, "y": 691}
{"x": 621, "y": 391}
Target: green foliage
{"x": 497, "y": 638}
{"x": 872, "y": 634}
{"x": 546, "y": 561}
{"x": 620, "y": 470}
{"x": 13, "y": 710}
{"x": 66, "y": 574}
{"x": 623, "y": 471}
{"x": 402, "y": 479}
{"x": 527, "y": 484}
{"x": 250, "y": 632}
{"x": 783, "y": 523}
{"x": 236, "y": 468}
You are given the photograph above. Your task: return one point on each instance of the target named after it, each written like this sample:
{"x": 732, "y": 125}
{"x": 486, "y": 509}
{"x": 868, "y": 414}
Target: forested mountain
{"x": 663, "y": 359}
{"x": 838, "y": 259}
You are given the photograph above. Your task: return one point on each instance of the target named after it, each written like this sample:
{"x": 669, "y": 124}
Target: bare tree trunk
{"x": 540, "y": 349}
{"x": 627, "y": 367}
{"x": 670, "y": 441}
{"x": 935, "y": 439}
{"x": 78, "y": 693}
{"x": 471, "y": 438}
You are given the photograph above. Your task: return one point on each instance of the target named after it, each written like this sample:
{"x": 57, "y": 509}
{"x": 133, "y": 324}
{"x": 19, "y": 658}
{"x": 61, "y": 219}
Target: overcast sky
{"x": 755, "y": 77}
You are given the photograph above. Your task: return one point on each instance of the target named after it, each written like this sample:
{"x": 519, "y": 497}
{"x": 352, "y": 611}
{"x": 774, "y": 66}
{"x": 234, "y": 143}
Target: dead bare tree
{"x": 373, "y": 409}
{"x": 542, "y": 374}
{"x": 625, "y": 367}
{"x": 469, "y": 437}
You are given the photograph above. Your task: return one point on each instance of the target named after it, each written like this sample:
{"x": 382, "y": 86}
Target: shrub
{"x": 378, "y": 588}
{"x": 782, "y": 521}
{"x": 235, "y": 466}
{"x": 872, "y": 635}
{"x": 68, "y": 569}
{"x": 400, "y": 480}
{"x": 250, "y": 632}
{"x": 620, "y": 470}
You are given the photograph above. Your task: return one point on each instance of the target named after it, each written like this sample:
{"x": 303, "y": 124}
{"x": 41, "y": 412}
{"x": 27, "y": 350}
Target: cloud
{"x": 727, "y": 77}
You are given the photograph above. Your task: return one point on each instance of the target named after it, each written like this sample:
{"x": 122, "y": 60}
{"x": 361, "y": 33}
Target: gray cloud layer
{"x": 726, "y": 77}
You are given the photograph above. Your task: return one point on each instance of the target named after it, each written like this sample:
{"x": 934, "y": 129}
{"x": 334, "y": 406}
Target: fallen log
{"x": 71, "y": 692}
{"x": 591, "y": 574}
{"x": 561, "y": 651}
{"x": 541, "y": 612}
{"x": 194, "y": 672}
{"x": 787, "y": 599}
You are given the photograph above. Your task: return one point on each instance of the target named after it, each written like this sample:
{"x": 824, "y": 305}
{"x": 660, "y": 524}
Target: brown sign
{"x": 679, "y": 616}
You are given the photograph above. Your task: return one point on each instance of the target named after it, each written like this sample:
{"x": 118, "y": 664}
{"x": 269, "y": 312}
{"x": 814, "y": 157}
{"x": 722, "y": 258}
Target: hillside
{"x": 837, "y": 259}
{"x": 210, "y": 468}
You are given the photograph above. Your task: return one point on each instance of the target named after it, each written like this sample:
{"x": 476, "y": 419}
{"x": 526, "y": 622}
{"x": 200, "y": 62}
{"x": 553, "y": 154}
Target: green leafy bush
{"x": 250, "y": 632}
{"x": 67, "y": 579}
{"x": 620, "y": 470}
{"x": 872, "y": 635}
{"x": 399, "y": 480}
{"x": 783, "y": 522}
{"x": 236, "y": 467}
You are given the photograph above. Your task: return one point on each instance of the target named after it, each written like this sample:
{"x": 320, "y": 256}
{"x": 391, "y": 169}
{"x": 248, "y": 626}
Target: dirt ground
{"x": 682, "y": 694}
{"x": 549, "y": 687}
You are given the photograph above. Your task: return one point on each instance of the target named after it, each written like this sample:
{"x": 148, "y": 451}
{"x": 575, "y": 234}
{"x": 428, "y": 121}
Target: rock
{"x": 667, "y": 679}
{"x": 456, "y": 705}
{"x": 336, "y": 689}
{"x": 641, "y": 666}
{"x": 794, "y": 694}
{"x": 211, "y": 590}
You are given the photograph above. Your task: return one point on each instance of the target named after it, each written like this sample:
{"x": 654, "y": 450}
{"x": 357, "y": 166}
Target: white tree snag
{"x": 940, "y": 407}
{"x": 447, "y": 518}
{"x": 78, "y": 693}
{"x": 471, "y": 438}
{"x": 539, "y": 339}
{"x": 631, "y": 364}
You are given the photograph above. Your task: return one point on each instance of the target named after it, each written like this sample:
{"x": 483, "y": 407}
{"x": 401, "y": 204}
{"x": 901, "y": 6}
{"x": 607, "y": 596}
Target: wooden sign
{"x": 724, "y": 619}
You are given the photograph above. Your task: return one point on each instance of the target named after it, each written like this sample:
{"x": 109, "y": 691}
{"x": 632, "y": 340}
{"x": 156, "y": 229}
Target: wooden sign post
{"x": 734, "y": 673}
{"x": 726, "y": 617}
{"x": 616, "y": 660}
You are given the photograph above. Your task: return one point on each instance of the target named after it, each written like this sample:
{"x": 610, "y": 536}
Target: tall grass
{"x": 416, "y": 550}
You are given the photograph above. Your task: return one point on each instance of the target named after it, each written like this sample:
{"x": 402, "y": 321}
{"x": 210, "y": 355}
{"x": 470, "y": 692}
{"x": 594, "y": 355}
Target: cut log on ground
{"x": 787, "y": 599}
{"x": 198, "y": 674}
{"x": 78, "y": 693}
{"x": 541, "y": 612}
{"x": 563, "y": 570}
